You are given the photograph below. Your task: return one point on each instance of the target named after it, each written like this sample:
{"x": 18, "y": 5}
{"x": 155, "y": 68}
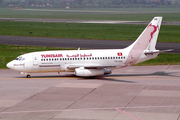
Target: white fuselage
{"x": 58, "y": 61}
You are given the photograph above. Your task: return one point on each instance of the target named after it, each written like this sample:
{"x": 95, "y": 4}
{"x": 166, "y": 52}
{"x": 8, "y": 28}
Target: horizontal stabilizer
{"x": 169, "y": 50}
{"x": 146, "y": 52}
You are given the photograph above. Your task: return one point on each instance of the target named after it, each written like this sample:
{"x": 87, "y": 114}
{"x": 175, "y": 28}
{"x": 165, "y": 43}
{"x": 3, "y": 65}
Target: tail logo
{"x": 155, "y": 29}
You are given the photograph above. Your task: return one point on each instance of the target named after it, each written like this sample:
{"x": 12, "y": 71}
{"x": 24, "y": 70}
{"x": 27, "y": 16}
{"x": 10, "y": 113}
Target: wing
{"x": 89, "y": 66}
{"x": 146, "y": 52}
{"x": 90, "y": 69}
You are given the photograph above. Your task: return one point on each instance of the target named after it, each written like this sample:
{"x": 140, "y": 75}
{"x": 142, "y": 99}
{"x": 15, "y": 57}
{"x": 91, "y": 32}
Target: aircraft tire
{"x": 28, "y": 76}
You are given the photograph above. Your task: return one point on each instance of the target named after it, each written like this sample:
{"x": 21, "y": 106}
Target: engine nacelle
{"x": 107, "y": 71}
{"x": 88, "y": 72}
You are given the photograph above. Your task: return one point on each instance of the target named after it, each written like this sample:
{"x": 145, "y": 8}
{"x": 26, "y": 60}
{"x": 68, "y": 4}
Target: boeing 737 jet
{"x": 87, "y": 63}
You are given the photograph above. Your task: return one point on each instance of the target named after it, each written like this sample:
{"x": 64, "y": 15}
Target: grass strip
{"x": 163, "y": 59}
{"x": 131, "y": 14}
{"x": 168, "y": 33}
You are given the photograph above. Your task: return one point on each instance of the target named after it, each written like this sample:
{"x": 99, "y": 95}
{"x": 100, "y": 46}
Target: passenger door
{"x": 35, "y": 60}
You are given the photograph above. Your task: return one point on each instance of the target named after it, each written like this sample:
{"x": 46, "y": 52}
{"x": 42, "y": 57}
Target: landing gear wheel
{"x": 28, "y": 76}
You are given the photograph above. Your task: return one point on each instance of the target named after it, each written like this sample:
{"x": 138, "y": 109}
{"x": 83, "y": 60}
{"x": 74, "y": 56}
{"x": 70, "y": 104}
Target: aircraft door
{"x": 35, "y": 60}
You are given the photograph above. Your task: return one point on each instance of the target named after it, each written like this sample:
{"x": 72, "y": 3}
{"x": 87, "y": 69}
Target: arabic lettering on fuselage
{"x": 51, "y": 55}
{"x": 80, "y": 55}
{"x": 86, "y": 55}
{"x": 75, "y": 55}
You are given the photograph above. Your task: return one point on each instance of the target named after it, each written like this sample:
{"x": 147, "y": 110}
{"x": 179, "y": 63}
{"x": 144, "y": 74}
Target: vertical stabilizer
{"x": 148, "y": 38}
{"x": 156, "y": 24}
{"x": 146, "y": 41}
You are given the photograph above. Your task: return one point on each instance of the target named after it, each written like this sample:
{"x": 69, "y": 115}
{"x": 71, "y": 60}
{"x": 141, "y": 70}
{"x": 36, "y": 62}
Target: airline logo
{"x": 155, "y": 29}
{"x": 119, "y": 54}
{"x": 19, "y": 64}
{"x": 51, "y": 55}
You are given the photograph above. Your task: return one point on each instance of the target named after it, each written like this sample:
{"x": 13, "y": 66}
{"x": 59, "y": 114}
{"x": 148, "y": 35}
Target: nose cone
{"x": 10, "y": 65}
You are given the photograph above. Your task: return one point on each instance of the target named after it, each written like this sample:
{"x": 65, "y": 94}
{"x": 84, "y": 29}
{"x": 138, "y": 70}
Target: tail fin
{"x": 145, "y": 42}
{"x": 155, "y": 24}
{"x": 148, "y": 38}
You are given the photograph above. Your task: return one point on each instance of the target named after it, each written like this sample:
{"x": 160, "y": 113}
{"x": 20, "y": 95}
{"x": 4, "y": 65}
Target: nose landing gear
{"x": 27, "y": 74}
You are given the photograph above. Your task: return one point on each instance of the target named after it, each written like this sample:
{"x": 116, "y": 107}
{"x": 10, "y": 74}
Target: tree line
{"x": 88, "y": 3}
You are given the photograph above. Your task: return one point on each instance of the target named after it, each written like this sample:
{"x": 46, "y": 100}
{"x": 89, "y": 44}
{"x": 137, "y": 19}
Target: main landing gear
{"x": 28, "y": 76}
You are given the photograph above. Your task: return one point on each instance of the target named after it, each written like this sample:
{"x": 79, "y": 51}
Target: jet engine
{"x": 107, "y": 71}
{"x": 91, "y": 72}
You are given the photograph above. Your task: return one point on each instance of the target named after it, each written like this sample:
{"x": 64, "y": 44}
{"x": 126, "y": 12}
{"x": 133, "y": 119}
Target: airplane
{"x": 90, "y": 63}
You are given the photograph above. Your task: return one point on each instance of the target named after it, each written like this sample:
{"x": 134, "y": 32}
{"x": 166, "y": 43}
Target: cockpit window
{"x": 20, "y": 58}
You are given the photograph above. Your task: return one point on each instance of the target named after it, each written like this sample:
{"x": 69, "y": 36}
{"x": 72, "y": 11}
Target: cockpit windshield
{"x": 20, "y": 58}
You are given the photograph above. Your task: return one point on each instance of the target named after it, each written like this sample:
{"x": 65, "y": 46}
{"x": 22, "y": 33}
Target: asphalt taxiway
{"x": 131, "y": 93}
